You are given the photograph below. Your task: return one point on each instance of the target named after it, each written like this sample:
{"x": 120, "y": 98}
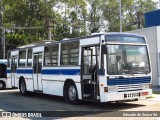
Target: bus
{"x": 104, "y": 67}
{"x": 3, "y": 73}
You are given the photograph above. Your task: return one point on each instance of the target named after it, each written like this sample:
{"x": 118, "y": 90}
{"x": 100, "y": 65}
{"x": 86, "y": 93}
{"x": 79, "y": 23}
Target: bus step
{"x": 38, "y": 91}
{"x": 86, "y": 95}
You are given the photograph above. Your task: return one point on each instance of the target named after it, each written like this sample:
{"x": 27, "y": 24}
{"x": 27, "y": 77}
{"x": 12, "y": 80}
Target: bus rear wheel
{"x": 72, "y": 94}
{"x": 23, "y": 90}
{"x": 2, "y": 85}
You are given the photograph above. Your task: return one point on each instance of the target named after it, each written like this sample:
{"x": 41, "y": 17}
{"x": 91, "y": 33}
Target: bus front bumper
{"x": 127, "y": 96}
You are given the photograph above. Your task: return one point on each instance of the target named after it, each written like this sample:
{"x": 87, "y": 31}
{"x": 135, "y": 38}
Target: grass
{"x": 156, "y": 92}
{"x": 150, "y": 97}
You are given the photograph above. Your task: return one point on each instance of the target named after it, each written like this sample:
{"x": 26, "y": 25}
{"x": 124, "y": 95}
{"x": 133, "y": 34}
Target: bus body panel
{"x": 102, "y": 84}
{"x": 53, "y": 87}
{"x": 29, "y": 83}
{"x": 89, "y": 41}
{"x": 14, "y": 53}
{"x": 131, "y": 95}
{"x": 53, "y": 79}
{"x": 38, "y": 49}
{"x": 9, "y": 85}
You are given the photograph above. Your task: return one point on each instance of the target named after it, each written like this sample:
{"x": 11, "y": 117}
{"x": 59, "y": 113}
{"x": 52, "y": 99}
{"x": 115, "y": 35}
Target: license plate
{"x": 131, "y": 95}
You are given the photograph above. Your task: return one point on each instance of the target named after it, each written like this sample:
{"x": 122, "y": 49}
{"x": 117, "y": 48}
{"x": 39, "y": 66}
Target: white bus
{"x": 101, "y": 67}
{"x": 3, "y": 73}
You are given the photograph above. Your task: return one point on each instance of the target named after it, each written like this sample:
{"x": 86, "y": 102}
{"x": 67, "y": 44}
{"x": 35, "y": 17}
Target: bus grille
{"x": 128, "y": 83}
{"x": 129, "y": 87}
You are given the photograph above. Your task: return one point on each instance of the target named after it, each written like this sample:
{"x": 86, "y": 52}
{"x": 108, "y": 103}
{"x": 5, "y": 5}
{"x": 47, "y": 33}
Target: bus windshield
{"x": 127, "y": 59}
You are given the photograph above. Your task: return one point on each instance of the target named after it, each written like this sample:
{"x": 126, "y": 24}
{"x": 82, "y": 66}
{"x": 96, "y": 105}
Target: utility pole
{"x": 120, "y": 15}
{"x": 49, "y": 28}
{"x": 2, "y": 30}
{"x": 48, "y": 21}
{"x": 4, "y": 43}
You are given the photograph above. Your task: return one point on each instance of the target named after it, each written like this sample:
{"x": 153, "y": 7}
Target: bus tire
{"x": 72, "y": 94}
{"x": 22, "y": 87}
{"x": 2, "y": 85}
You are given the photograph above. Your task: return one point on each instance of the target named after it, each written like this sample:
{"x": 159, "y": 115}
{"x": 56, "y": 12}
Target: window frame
{"x": 27, "y": 64}
{"x": 19, "y": 58}
{"x": 51, "y": 56}
{"x": 67, "y": 52}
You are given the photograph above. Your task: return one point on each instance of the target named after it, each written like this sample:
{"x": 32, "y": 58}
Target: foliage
{"x": 68, "y": 18}
{"x": 132, "y": 13}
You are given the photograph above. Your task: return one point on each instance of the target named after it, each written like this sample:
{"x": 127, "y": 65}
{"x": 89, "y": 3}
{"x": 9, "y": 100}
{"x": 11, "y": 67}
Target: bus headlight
{"x": 113, "y": 88}
{"x": 145, "y": 86}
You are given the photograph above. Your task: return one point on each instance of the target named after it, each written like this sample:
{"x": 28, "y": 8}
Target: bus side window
{"x": 47, "y": 56}
{"x": 9, "y": 59}
{"x": 70, "y": 53}
{"x": 54, "y": 54}
{"x": 22, "y": 58}
{"x": 29, "y": 58}
{"x": 51, "y": 55}
{"x": 74, "y": 53}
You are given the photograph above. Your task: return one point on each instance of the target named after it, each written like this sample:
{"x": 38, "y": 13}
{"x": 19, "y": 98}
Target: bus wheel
{"x": 72, "y": 94}
{"x": 23, "y": 90}
{"x": 2, "y": 85}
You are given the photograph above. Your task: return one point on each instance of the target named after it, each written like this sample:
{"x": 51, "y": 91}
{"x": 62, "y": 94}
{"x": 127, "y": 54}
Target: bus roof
{"x": 75, "y": 39}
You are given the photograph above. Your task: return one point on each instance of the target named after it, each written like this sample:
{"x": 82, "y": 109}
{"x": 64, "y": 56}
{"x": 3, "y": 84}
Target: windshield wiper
{"x": 138, "y": 72}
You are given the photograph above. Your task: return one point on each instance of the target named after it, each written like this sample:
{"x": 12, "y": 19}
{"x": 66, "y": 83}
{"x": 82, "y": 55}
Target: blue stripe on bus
{"x": 123, "y": 81}
{"x": 8, "y": 71}
{"x": 62, "y": 71}
{"x": 55, "y": 71}
{"x": 25, "y": 71}
{"x": 50, "y": 71}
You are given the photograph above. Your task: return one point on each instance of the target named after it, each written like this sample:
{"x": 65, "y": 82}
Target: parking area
{"x": 11, "y": 100}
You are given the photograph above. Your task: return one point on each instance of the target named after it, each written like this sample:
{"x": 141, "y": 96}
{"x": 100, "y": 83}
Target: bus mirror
{"x": 104, "y": 49}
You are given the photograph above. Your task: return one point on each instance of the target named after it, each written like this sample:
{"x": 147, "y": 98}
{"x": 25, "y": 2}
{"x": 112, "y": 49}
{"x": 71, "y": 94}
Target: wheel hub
{"x": 72, "y": 93}
{"x": 1, "y": 85}
{"x": 22, "y": 87}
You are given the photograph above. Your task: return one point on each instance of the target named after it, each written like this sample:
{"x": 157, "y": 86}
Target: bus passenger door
{"x": 89, "y": 70}
{"x": 37, "y": 72}
{"x": 14, "y": 71}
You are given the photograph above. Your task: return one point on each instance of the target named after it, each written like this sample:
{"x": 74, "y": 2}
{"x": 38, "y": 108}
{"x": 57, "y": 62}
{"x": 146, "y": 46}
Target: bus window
{"x": 54, "y": 53}
{"x": 74, "y": 55}
{"x": 70, "y": 53}
{"x": 8, "y": 59}
{"x": 51, "y": 55}
{"x": 22, "y": 58}
{"x": 29, "y": 58}
{"x": 47, "y": 59}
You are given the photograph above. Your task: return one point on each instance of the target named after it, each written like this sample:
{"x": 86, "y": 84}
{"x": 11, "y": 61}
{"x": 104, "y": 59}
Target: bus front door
{"x": 89, "y": 68}
{"x": 14, "y": 71}
{"x": 37, "y": 72}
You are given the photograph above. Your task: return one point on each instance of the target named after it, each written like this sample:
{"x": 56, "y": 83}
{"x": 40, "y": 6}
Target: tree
{"x": 58, "y": 19}
{"x": 132, "y": 13}
{"x": 94, "y": 15}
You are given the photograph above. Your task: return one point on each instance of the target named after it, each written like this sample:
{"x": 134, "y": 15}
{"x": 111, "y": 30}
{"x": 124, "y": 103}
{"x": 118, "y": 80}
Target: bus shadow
{"x": 90, "y": 104}
{"x": 55, "y": 106}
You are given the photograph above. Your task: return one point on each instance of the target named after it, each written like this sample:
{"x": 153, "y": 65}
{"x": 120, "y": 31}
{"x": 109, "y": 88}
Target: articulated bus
{"x": 108, "y": 67}
{"x": 3, "y": 73}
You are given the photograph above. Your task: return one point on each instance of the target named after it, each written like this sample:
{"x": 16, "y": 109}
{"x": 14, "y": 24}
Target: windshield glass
{"x": 127, "y": 59}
